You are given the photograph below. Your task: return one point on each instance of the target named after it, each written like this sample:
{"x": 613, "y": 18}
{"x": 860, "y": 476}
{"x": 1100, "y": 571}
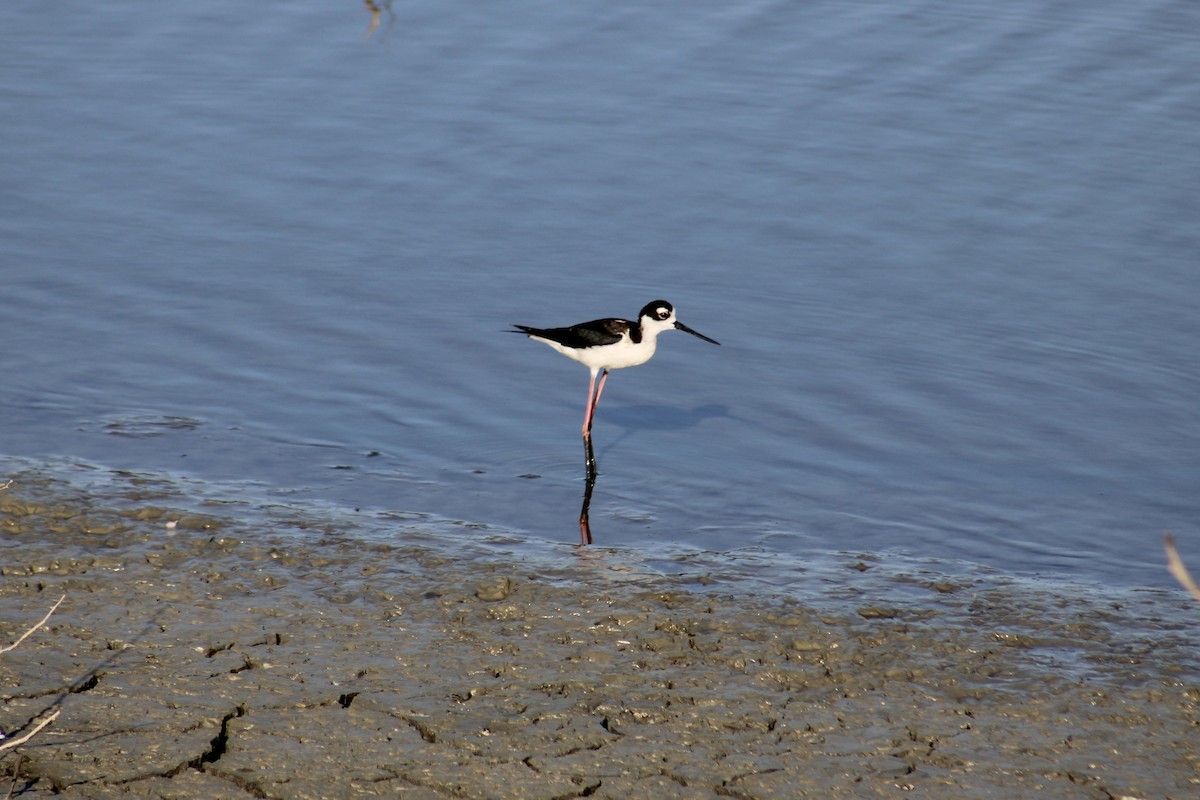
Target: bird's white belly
{"x": 624, "y": 353}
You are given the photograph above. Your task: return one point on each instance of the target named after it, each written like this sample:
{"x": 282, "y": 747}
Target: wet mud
{"x": 194, "y": 657}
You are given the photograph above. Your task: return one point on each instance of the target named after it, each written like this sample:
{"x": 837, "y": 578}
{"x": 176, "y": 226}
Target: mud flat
{"x": 199, "y": 656}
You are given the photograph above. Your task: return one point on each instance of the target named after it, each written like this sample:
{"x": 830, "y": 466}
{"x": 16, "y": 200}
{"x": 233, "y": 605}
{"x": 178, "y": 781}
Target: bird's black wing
{"x": 586, "y": 334}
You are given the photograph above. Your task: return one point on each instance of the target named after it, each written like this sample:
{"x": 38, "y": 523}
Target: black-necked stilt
{"x": 605, "y": 344}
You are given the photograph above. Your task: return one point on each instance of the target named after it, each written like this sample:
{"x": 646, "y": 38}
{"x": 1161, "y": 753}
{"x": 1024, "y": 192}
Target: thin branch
{"x": 1175, "y": 565}
{"x": 12, "y": 787}
{"x": 25, "y": 737}
{"x": 29, "y": 632}
{"x": 37, "y": 723}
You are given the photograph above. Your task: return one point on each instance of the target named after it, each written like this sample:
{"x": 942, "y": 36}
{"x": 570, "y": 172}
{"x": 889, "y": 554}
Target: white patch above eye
{"x": 662, "y": 312}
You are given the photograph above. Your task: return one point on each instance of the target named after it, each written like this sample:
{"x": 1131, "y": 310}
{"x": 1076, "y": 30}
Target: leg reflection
{"x": 585, "y": 530}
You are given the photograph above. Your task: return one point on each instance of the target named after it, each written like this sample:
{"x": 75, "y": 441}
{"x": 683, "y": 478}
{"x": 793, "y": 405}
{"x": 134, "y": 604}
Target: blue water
{"x": 949, "y": 250}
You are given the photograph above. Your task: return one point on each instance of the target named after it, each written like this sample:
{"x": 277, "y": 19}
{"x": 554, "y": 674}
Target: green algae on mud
{"x": 222, "y": 659}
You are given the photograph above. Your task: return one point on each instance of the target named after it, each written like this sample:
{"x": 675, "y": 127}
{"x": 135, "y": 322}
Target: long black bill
{"x": 686, "y": 329}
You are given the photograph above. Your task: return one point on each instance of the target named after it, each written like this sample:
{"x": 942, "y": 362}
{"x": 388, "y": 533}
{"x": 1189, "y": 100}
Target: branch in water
{"x": 1175, "y": 565}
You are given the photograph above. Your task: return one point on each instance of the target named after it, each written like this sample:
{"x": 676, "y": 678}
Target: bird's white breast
{"x": 624, "y": 353}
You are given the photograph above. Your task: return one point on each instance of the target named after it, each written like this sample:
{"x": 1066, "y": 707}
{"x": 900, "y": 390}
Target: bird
{"x": 611, "y": 343}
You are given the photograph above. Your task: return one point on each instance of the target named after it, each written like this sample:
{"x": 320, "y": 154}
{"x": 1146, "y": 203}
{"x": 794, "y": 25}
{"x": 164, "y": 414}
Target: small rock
{"x": 493, "y": 590}
{"x": 878, "y": 612}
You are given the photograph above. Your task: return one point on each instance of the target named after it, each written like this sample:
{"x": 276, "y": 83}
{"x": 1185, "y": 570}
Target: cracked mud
{"x": 209, "y": 663}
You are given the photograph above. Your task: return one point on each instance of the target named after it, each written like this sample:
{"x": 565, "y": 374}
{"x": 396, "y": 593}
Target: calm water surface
{"x": 949, "y": 250}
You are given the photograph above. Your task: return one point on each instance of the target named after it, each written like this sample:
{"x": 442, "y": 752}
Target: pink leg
{"x": 593, "y": 400}
{"x": 587, "y": 411}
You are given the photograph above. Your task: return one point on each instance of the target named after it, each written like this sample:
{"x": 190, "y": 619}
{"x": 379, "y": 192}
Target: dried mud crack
{"x": 212, "y": 663}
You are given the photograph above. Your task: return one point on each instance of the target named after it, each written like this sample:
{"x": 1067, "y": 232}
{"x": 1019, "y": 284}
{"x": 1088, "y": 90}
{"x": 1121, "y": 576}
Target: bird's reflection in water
{"x": 585, "y": 529}
{"x": 633, "y": 420}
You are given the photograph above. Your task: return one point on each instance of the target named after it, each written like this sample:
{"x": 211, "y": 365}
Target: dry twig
{"x": 39, "y": 624}
{"x": 43, "y": 720}
{"x": 1175, "y": 565}
{"x": 32, "y": 732}
{"x": 16, "y": 773}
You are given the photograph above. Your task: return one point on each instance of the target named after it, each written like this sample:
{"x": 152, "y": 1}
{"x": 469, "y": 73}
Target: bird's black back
{"x": 586, "y": 334}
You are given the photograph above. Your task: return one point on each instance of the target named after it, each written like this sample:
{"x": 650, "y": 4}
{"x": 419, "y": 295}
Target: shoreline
{"x": 216, "y": 659}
